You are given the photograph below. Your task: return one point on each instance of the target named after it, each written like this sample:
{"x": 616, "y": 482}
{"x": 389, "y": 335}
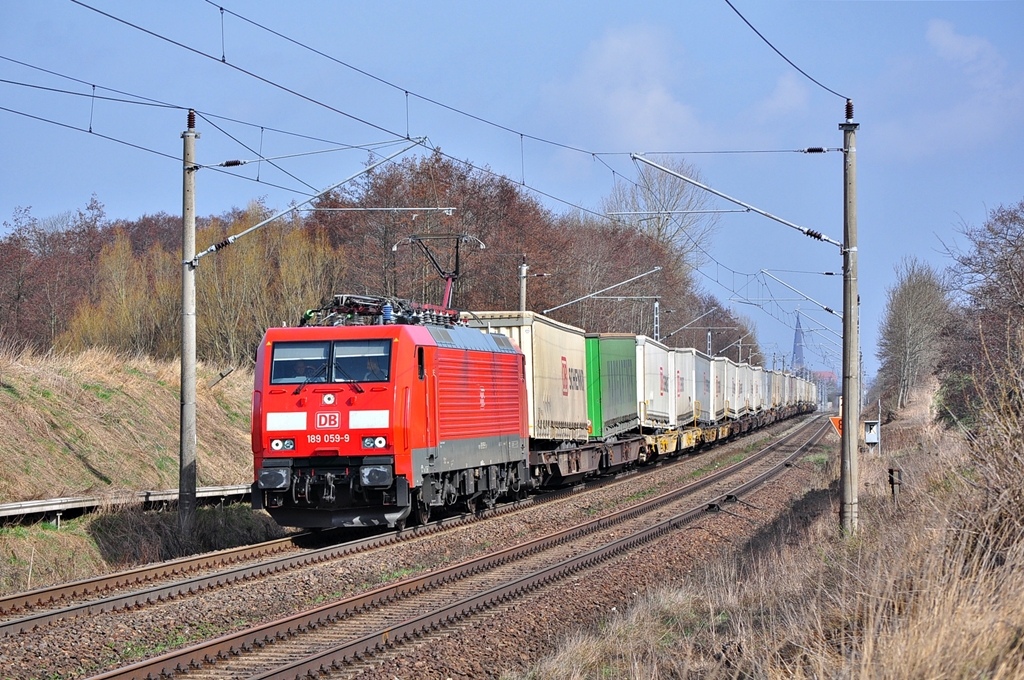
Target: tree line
{"x": 963, "y": 324}
{"x": 81, "y": 280}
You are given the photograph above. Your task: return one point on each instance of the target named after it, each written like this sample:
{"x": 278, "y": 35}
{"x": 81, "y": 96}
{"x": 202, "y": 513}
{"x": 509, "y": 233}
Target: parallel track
{"x": 344, "y": 632}
{"x": 88, "y": 598}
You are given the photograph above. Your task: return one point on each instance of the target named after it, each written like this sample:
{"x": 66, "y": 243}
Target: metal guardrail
{"x": 52, "y": 506}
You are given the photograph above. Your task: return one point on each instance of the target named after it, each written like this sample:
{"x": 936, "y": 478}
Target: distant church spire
{"x": 798, "y": 345}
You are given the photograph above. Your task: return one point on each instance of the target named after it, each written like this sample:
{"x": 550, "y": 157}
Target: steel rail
{"x": 236, "y": 643}
{"x": 134, "y": 577}
{"x": 222, "y": 578}
{"x": 338, "y": 657}
{"x": 50, "y": 595}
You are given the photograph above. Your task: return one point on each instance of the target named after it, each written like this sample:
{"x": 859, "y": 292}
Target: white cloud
{"x": 975, "y": 56}
{"x": 622, "y": 95}
{"x": 790, "y": 96}
{"x": 966, "y": 97}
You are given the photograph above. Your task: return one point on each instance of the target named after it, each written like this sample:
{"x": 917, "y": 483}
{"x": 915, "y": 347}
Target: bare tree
{"x": 987, "y": 278}
{"x": 917, "y": 309}
{"x": 667, "y": 209}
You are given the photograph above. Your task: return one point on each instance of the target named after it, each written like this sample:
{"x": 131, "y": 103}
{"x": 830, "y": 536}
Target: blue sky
{"x": 938, "y": 89}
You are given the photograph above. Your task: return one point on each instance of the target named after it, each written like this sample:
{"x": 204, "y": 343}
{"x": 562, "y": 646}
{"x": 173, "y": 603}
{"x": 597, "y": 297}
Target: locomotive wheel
{"x": 471, "y": 505}
{"x": 421, "y": 511}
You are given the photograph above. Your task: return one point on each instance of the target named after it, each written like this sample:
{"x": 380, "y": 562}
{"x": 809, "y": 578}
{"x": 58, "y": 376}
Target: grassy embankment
{"x": 97, "y": 424}
{"x": 929, "y": 587}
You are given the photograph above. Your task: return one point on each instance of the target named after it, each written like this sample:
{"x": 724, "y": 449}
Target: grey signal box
{"x": 872, "y": 432}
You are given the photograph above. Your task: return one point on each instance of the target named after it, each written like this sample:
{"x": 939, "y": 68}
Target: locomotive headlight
{"x": 375, "y": 442}
{"x": 289, "y": 444}
{"x": 375, "y": 475}
{"x": 368, "y": 442}
{"x": 282, "y": 444}
{"x": 380, "y": 442}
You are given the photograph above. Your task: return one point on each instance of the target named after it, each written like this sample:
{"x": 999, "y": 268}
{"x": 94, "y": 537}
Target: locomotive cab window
{"x": 298, "y": 362}
{"x": 362, "y": 361}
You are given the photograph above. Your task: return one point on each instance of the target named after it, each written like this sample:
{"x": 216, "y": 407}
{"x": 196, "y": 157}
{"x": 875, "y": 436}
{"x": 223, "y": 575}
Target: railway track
{"x": 142, "y": 586}
{"x": 341, "y": 633}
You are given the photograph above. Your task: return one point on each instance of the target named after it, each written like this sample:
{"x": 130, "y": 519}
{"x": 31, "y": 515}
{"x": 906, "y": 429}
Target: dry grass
{"x": 932, "y": 587}
{"x": 119, "y": 538}
{"x": 97, "y": 422}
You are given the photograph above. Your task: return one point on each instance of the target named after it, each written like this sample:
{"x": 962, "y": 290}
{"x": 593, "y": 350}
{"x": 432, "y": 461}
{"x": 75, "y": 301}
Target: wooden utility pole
{"x": 849, "y": 476}
{"x": 187, "y": 459}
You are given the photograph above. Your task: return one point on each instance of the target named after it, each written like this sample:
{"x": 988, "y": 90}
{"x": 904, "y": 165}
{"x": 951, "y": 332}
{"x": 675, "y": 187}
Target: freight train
{"x": 379, "y": 411}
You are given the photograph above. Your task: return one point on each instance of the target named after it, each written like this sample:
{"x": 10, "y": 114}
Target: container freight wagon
{"x": 363, "y": 425}
{"x": 746, "y": 374}
{"x": 611, "y": 384}
{"x": 556, "y": 384}
{"x": 778, "y": 389}
{"x": 655, "y": 393}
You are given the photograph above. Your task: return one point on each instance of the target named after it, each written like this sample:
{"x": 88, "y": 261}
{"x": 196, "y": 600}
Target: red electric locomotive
{"x": 378, "y": 409}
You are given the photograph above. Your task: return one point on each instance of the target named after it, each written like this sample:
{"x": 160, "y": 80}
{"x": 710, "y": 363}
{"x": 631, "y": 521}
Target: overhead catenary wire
{"x": 250, "y": 149}
{"x": 329, "y": 107}
{"x": 133, "y": 145}
{"x": 778, "y": 52}
{"x": 467, "y": 164}
{"x": 480, "y": 119}
{"x": 817, "y": 235}
{"x": 193, "y": 263}
{"x": 317, "y": 102}
{"x": 161, "y": 104}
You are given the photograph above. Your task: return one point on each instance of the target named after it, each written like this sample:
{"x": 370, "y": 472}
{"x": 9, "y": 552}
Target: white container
{"x": 756, "y": 389}
{"x": 655, "y": 394}
{"x": 703, "y": 392}
{"x": 778, "y": 389}
{"x": 718, "y": 383}
{"x": 685, "y": 385}
{"x": 556, "y": 365}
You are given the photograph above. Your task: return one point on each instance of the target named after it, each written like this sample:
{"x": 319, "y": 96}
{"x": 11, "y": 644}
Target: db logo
{"x": 328, "y": 421}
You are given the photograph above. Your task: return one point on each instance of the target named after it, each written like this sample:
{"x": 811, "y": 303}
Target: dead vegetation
{"x": 116, "y": 538}
{"x": 97, "y": 422}
{"x": 931, "y": 586}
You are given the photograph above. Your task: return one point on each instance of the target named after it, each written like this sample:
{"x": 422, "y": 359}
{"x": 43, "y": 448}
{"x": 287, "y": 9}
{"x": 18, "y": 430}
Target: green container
{"x": 611, "y": 383}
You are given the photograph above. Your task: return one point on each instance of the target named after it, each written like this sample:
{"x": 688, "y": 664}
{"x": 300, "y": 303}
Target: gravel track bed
{"x": 509, "y": 640}
{"x": 86, "y": 647}
{"x": 130, "y": 588}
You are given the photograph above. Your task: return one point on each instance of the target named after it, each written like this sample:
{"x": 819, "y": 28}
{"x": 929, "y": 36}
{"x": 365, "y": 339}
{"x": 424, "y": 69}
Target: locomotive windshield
{"x": 362, "y": 361}
{"x": 297, "y": 362}
{"x": 352, "y": 361}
